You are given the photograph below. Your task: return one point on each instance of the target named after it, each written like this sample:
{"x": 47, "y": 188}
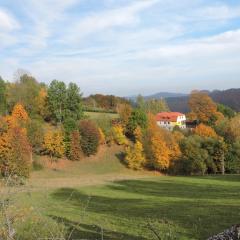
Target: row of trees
{"x": 49, "y": 120}
{"x": 212, "y": 147}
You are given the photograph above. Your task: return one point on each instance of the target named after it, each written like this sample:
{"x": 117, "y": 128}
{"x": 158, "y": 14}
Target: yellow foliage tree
{"x": 53, "y": 143}
{"x": 135, "y": 158}
{"x": 118, "y": 135}
{"x": 138, "y": 134}
{"x": 41, "y": 101}
{"x": 205, "y": 131}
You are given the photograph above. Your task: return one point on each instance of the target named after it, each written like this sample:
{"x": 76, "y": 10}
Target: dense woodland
{"x": 38, "y": 120}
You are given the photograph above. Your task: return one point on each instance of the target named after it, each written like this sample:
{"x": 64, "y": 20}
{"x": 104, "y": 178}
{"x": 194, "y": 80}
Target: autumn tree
{"x": 157, "y": 151}
{"x": 76, "y": 151}
{"x": 53, "y": 143}
{"x": 102, "y": 139}
{"x": 118, "y": 135}
{"x": 15, "y": 150}
{"x": 205, "y": 131}
{"x": 20, "y": 113}
{"x": 134, "y": 157}
{"x": 90, "y": 138}
{"x": 203, "y": 108}
{"x": 124, "y": 110}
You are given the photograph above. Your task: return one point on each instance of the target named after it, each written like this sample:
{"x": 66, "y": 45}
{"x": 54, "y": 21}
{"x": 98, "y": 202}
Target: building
{"x": 169, "y": 120}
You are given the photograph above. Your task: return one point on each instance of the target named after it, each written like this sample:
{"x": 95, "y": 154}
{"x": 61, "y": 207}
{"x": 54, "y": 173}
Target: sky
{"x": 123, "y": 47}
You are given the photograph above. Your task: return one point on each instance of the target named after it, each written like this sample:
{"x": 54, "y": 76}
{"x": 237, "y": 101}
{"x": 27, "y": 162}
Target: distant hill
{"x": 179, "y": 101}
{"x": 229, "y": 97}
{"x": 159, "y": 95}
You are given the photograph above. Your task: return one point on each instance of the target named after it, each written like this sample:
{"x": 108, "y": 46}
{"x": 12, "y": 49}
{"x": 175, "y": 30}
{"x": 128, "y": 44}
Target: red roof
{"x": 168, "y": 116}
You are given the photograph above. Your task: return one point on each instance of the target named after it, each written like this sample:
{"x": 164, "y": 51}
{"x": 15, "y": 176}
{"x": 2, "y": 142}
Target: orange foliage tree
{"x": 20, "y": 113}
{"x": 15, "y": 150}
{"x": 205, "y": 131}
{"x": 203, "y": 108}
{"x": 157, "y": 151}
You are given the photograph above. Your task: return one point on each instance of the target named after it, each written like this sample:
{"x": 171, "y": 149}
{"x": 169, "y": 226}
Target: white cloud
{"x": 7, "y": 21}
{"x": 96, "y": 22}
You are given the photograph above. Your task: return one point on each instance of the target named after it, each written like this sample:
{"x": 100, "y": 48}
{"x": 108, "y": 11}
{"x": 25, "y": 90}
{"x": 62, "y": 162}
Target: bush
{"x": 37, "y": 227}
{"x": 90, "y": 138}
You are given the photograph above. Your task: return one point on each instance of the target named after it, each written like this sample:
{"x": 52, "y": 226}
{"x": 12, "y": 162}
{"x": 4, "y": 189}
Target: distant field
{"x": 101, "y": 195}
{"x": 95, "y": 115}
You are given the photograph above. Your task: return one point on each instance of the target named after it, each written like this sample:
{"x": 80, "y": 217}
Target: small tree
{"x": 53, "y": 144}
{"x": 118, "y": 135}
{"x": 75, "y": 148}
{"x": 90, "y": 138}
{"x": 135, "y": 158}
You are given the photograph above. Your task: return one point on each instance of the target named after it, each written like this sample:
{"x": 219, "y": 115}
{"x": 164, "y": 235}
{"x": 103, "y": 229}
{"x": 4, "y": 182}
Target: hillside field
{"x": 99, "y": 197}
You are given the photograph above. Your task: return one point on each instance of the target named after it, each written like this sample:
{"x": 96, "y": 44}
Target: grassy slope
{"x": 96, "y": 115}
{"x": 82, "y": 193}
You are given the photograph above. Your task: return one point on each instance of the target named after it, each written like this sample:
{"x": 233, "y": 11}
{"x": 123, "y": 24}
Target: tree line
{"x": 37, "y": 119}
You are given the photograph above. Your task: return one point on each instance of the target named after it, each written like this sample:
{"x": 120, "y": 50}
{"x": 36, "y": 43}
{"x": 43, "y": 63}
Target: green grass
{"x": 97, "y": 115}
{"x": 184, "y": 207}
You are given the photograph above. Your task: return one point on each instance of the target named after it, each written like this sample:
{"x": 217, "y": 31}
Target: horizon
{"x": 123, "y": 47}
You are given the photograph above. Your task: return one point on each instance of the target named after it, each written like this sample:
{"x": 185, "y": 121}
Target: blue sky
{"x": 123, "y": 47}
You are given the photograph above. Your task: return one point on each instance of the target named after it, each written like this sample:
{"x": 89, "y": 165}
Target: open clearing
{"x": 99, "y": 195}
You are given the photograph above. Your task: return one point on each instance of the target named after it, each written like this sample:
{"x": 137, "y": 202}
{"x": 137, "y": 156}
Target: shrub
{"x": 90, "y": 138}
{"x": 38, "y": 227}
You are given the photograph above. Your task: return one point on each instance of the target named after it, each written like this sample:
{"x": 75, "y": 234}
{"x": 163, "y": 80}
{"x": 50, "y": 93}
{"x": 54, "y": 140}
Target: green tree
{"x": 226, "y": 111}
{"x": 25, "y": 91}
{"x": 56, "y": 100}
{"x": 74, "y": 102}
{"x": 194, "y": 157}
{"x": 137, "y": 118}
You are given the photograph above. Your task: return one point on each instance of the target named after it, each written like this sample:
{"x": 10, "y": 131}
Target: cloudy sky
{"x": 123, "y": 47}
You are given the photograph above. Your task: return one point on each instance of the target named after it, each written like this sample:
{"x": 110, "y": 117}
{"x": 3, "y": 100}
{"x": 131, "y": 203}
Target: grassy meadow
{"x": 101, "y": 199}
{"x": 96, "y": 115}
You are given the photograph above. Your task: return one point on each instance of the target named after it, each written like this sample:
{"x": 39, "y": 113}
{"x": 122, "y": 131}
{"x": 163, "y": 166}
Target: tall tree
{"x": 74, "y": 102}
{"x": 56, "y": 100}
{"x": 203, "y": 108}
{"x": 26, "y": 92}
